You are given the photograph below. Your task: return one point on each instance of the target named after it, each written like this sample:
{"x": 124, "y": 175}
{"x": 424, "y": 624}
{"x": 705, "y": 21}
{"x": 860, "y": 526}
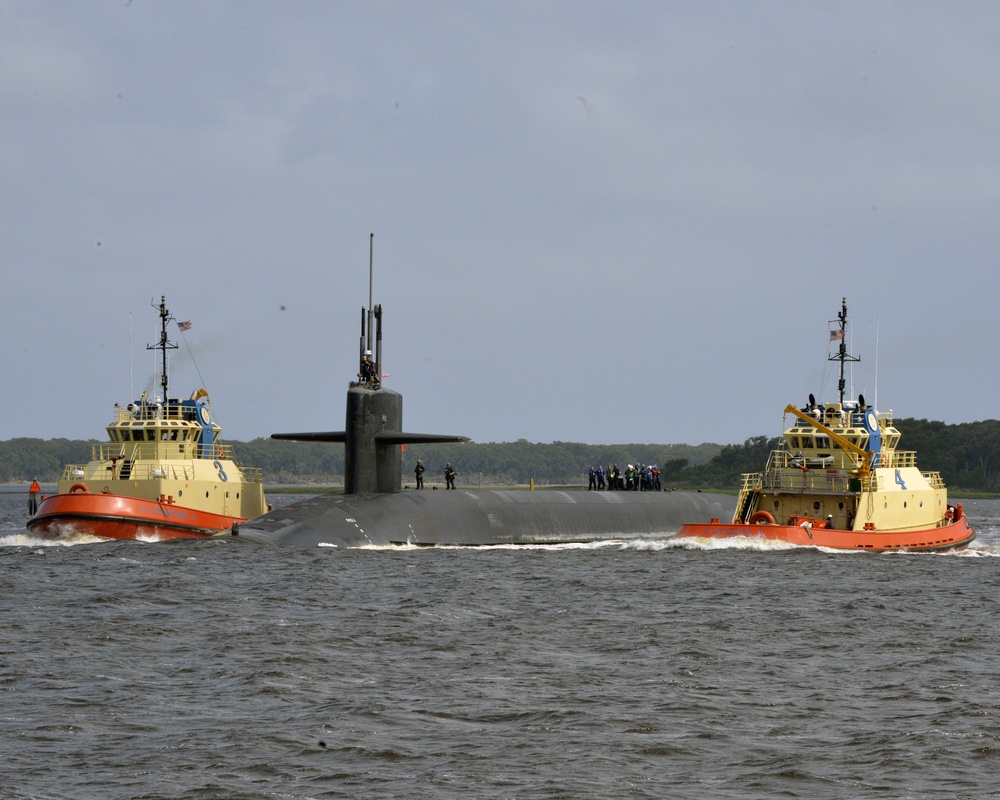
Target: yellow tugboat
{"x": 839, "y": 481}
{"x": 162, "y": 474}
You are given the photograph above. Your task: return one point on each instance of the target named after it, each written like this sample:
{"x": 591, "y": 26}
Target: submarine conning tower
{"x": 373, "y": 428}
{"x": 370, "y": 464}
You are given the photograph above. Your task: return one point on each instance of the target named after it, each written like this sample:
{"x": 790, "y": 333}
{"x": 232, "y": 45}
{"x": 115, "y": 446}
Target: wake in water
{"x": 25, "y": 539}
{"x": 622, "y": 544}
{"x": 978, "y": 548}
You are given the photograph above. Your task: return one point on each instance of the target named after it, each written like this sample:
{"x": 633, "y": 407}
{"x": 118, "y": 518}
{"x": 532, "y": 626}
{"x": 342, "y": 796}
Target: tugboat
{"x": 838, "y": 481}
{"x": 163, "y": 474}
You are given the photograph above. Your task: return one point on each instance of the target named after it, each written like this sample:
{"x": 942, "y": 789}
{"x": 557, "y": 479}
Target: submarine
{"x": 374, "y": 510}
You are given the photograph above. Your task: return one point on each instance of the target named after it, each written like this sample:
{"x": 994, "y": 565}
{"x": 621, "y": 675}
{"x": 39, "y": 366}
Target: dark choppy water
{"x": 223, "y": 669}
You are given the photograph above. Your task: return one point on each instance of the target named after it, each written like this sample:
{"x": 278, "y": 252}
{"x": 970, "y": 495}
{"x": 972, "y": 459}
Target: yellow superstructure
{"x": 169, "y": 452}
{"x": 841, "y": 460}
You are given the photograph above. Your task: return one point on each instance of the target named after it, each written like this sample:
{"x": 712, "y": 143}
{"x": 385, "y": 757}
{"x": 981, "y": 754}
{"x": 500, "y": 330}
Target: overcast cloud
{"x": 595, "y": 222}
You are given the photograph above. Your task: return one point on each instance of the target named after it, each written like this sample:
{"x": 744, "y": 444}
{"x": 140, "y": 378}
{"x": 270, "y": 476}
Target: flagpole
{"x": 184, "y": 327}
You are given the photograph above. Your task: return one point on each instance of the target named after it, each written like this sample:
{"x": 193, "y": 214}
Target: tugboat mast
{"x": 164, "y": 344}
{"x": 842, "y": 355}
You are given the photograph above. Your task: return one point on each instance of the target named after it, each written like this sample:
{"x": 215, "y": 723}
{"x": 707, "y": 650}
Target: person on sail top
{"x": 368, "y": 374}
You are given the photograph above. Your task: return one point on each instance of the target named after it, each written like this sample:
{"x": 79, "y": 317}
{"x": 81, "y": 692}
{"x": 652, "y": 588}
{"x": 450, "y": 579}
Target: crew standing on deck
{"x": 449, "y": 476}
{"x": 33, "y": 493}
{"x": 419, "y": 472}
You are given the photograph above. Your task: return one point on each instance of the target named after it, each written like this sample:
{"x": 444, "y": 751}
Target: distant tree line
{"x": 967, "y": 456}
{"x": 494, "y": 464}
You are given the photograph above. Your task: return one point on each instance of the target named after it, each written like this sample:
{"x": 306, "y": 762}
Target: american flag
{"x": 184, "y": 326}
{"x": 835, "y": 335}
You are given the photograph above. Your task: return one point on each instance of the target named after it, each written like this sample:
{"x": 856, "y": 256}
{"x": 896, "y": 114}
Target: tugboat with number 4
{"x": 162, "y": 475}
{"x": 838, "y": 481}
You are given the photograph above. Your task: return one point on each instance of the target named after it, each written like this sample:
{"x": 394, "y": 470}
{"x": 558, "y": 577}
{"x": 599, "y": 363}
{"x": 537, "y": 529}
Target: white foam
{"x": 27, "y": 540}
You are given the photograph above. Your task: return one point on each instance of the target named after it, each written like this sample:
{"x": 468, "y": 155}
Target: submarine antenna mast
{"x": 371, "y": 308}
{"x": 374, "y": 315}
{"x": 164, "y": 344}
{"x": 840, "y": 333}
{"x": 371, "y": 316}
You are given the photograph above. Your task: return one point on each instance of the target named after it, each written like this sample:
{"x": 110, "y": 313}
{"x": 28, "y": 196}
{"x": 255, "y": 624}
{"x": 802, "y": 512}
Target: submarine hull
{"x": 478, "y": 518}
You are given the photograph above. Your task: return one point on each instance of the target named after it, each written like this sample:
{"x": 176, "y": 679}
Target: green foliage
{"x": 25, "y": 459}
{"x": 724, "y": 471}
{"x": 303, "y": 463}
{"x": 558, "y": 463}
{"x": 966, "y": 455}
{"x": 293, "y": 462}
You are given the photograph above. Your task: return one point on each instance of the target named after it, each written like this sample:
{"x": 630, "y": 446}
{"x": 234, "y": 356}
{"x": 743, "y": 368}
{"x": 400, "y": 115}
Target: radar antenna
{"x": 839, "y": 333}
{"x": 164, "y": 344}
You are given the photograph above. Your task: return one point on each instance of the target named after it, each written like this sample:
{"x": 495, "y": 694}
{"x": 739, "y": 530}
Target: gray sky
{"x": 595, "y": 222}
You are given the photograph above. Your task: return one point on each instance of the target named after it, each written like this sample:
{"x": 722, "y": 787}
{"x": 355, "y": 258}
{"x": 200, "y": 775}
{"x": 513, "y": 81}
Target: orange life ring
{"x": 78, "y": 487}
{"x": 762, "y": 516}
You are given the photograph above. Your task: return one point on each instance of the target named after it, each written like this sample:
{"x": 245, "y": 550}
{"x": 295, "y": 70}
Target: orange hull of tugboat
{"x": 806, "y": 531}
{"x": 118, "y": 517}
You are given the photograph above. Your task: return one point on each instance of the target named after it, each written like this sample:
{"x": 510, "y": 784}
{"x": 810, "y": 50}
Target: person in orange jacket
{"x": 33, "y": 492}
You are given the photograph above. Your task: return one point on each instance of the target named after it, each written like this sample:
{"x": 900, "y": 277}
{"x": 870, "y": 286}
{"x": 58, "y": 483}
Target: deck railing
{"x": 896, "y": 459}
{"x": 131, "y": 451}
{"x": 934, "y": 479}
{"x": 157, "y": 461}
{"x": 164, "y": 470}
{"x": 153, "y": 411}
{"x": 812, "y": 480}
{"x": 778, "y": 478}
{"x": 825, "y": 480}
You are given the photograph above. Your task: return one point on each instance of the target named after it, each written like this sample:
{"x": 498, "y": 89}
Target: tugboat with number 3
{"x": 838, "y": 481}
{"x": 162, "y": 475}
